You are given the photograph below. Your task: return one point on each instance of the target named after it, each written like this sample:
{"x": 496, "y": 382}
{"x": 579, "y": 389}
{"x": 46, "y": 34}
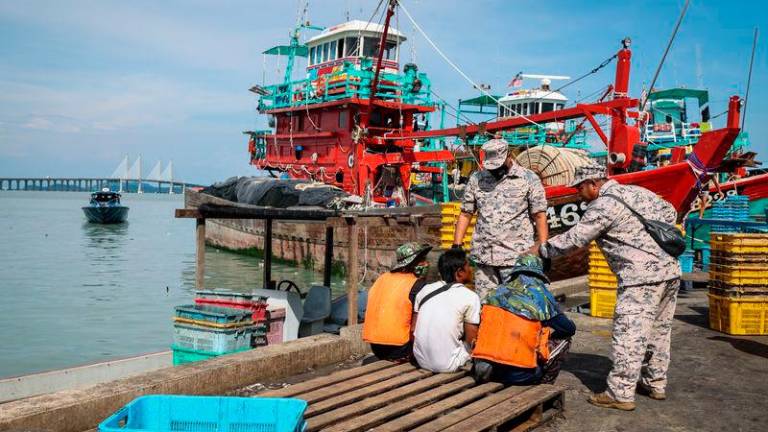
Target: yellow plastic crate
{"x": 602, "y": 278}
{"x": 602, "y": 302}
{"x": 598, "y": 269}
{"x": 738, "y": 275}
{"x": 739, "y": 315}
{"x": 603, "y": 285}
{"x": 740, "y": 243}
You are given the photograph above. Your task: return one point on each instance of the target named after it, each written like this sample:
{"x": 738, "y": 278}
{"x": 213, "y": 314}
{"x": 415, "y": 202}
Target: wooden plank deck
{"x": 384, "y": 396}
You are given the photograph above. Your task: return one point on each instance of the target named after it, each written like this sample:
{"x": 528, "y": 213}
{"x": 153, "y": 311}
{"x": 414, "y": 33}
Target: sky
{"x": 82, "y": 83}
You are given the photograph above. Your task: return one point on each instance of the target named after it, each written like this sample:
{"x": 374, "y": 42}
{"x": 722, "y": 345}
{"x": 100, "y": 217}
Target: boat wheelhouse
{"x": 330, "y": 125}
{"x": 352, "y": 42}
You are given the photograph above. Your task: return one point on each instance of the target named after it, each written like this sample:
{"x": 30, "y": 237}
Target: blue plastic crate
{"x": 166, "y": 413}
{"x": 212, "y": 340}
{"x": 214, "y": 314}
{"x": 183, "y": 356}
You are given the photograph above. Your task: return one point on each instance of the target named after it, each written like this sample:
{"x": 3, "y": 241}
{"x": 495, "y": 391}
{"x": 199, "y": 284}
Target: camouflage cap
{"x": 495, "y": 153}
{"x": 524, "y": 264}
{"x": 409, "y": 253}
{"x": 592, "y": 171}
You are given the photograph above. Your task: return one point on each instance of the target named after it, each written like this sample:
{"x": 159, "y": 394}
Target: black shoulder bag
{"x": 667, "y": 236}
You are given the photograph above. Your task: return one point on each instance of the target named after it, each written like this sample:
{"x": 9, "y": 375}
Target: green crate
{"x": 183, "y": 356}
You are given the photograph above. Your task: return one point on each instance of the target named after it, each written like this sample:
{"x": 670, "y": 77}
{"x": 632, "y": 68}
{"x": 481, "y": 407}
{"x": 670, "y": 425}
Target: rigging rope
{"x": 454, "y": 66}
{"x": 666, "y": 51}
{"x": 605, "y": 63}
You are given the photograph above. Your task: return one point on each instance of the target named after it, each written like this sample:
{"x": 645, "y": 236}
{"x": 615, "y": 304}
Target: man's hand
{"x": 534, "y": 250}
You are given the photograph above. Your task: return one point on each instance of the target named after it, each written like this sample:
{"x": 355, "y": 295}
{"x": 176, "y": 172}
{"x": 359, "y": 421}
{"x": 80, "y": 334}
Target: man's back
{"x": 439, "y": 329}
{"x": 629, "y": 249}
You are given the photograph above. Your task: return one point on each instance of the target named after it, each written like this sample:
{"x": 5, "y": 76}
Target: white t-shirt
{"x": 438, "y": 344}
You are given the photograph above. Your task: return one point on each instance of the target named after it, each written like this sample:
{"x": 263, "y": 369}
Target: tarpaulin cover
{"x": 224, "y": 190}
{"x": 271, "y": 192}
{"x": 268, "y": 192}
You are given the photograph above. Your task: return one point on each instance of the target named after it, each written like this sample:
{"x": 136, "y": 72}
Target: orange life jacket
{"x": 388, "y": 314}
{"x": 510, "y": 339}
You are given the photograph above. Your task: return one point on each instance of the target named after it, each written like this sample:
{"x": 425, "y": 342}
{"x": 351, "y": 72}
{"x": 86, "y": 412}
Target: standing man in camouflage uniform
{"x": 508, "y": 200}
{"x": 649, "y": 280}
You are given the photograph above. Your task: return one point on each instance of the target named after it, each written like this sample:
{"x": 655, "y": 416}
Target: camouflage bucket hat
{"x": 592, "y": 171}
{"x": 525, "y": 264}
{"x": 409, "y": 253}
{"x": 495, "y": 153}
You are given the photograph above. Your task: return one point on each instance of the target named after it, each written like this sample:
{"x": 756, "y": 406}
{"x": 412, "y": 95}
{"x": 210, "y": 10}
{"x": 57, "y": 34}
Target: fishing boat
{"x": 105, "y": 208}
{"x": 359, "y": 121}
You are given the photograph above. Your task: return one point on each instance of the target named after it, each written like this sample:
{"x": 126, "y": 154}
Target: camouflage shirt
{"x": 630, "y": 251}
{"x": 504, "y": 208}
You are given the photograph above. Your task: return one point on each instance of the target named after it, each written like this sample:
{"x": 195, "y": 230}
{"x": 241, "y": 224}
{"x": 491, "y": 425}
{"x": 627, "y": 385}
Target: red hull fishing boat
{"x": 355, "y": 124}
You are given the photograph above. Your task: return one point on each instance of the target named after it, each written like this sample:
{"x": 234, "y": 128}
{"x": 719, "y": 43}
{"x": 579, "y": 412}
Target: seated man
{"x": 446, "y": 314}
{"x": 523, "y": 336}
{"x": 387, "y": 325}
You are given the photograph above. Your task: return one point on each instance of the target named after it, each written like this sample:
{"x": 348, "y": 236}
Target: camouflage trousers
{"x": 642, "y": 330}
{"x": 487, "y": 278}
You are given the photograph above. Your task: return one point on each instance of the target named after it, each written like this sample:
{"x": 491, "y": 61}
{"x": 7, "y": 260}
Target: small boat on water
{"x": 105, "y": 208}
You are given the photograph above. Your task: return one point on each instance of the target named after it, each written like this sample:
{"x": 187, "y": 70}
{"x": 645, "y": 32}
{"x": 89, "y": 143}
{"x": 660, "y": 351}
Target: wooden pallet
{"x": 384, "y": 396}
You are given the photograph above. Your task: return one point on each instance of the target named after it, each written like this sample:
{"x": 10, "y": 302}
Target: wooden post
{"x": 353, "y": 237}
{"x": 200, "y": 254}
{"x": 328, "y": 263}
{"x": 268, "y": 254}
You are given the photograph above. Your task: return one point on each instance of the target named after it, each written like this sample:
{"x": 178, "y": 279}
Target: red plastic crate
{"x": 275, "y": 323}
{"x": 259, "y": 309}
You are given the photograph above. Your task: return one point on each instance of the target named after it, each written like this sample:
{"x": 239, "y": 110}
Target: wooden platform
{"x": 384, "y": 396}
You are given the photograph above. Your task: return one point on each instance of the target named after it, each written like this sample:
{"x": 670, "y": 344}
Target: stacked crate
{"x": 201, "y": 332}
{"x": 256, "y": 304}
{"x": 738, "y": 283}
{"x": 450, "y": 216}
{"x": 602, "y": 284}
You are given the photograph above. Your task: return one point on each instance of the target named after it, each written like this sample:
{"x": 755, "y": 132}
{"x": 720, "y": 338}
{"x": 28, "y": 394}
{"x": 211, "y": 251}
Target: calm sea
{"x": 73, "y": 293}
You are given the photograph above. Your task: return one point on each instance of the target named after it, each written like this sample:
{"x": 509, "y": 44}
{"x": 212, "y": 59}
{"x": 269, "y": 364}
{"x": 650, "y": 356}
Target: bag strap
{"x": 442, "y": 289}
{"x": 638, "y": 215}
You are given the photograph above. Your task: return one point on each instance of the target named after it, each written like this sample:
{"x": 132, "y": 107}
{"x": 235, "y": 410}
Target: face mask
{"x": 421, "y": 270}
{"x": 499, "y": 172}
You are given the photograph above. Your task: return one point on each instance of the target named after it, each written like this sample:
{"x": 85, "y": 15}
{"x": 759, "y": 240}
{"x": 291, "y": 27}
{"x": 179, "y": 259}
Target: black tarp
{"x": 271, "y": 192}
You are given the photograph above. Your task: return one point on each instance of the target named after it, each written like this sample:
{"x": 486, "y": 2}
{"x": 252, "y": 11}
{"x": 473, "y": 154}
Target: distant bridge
{"x": 123, "y": 179}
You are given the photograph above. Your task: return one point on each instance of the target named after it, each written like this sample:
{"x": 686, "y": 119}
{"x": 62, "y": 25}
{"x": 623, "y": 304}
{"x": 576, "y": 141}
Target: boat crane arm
{"x": 580, "y": 110}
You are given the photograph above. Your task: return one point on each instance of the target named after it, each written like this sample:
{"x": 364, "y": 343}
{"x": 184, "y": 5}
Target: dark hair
{"x": 450, "y": 262}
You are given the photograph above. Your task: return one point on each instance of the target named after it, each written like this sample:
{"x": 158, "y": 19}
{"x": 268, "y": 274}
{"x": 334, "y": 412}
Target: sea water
{"x": 74, "y": 293}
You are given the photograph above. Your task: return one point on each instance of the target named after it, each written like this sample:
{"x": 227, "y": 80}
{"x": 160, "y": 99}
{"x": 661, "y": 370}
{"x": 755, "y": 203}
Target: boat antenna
{"x": 666, "y": 51}
{"x": 749, "y": 80}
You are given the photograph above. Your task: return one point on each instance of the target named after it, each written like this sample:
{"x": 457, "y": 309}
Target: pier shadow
{"x": 590, "y": 369}
{"x": 699, "y": 319}
{"x": 744, "y": 345}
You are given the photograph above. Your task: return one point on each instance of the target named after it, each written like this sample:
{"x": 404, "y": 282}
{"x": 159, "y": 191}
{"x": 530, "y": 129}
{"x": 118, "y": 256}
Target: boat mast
{"x": 382, "y": 45}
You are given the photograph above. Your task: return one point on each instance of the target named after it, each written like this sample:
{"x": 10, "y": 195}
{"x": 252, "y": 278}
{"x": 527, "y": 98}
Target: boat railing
{"x": 410, "y": 88}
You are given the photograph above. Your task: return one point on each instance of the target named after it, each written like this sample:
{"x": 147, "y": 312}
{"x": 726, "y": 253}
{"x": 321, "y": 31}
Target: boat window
{"x": 325, "y": 52}
{"x": 547, "y": 106}
{"x": 370, "y": 46}
{"x": 525, "y": 109}
{"x": 312, "y": 56}
{"x": 534, "y": 108}
{"x": 518, "y": 109}
{"x": 343, "y": 120}
{"x": 351, "y": 47}
{"x": 340, "y": 51}
{"x": 390, "y": 51}
{"x": 559, "y": 106}
{"x": 332, "y": 51}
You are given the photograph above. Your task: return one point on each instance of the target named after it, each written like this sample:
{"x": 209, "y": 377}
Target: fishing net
{"x": 554, "y": 165}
